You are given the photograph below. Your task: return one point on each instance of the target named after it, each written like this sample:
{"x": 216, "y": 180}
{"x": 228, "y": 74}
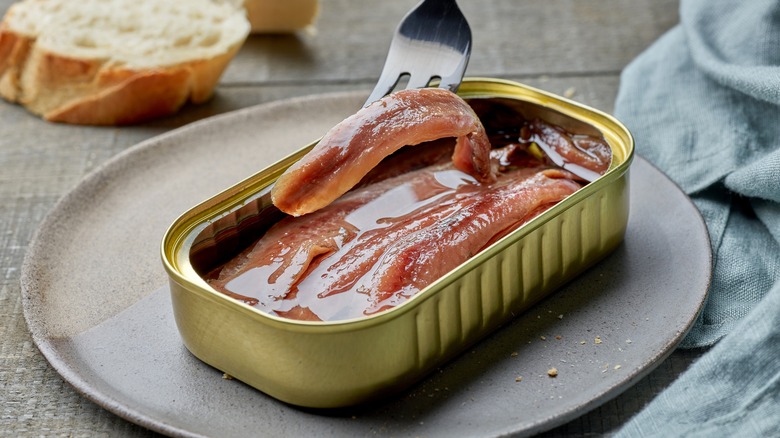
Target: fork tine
{"x": 384, "y": 86}
{"x": 419, "y": 81}
{"x": 389, "y": 77}
{"x": 452, "y": 82}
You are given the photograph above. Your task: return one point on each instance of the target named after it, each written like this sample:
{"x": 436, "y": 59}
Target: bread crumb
{"x": 569, "y": 93}
{"x": 617, "y": 367}
{"x": 552, "y": 372}
{"x": 514, "y": 354}
{"x": 597, "y": 340}
{"x": 558, "y": 337}
{"x": 560, "y": 316}
{"x": 227, "y": 376}
{"x": 583, "y": 342}
{"x": 519, "y": 379}
{"x": 542, "y": 338}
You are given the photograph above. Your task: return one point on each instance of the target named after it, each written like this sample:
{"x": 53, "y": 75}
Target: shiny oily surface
{"x": 353, "y": 361}
{"x": 381, "y": 243}
{"x": 340, "y": 261}
{"x": 378, "y": 255}
{"x": 648, "y": 291}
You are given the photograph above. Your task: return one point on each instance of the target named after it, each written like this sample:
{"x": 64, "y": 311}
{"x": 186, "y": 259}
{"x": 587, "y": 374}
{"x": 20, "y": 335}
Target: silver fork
{"x": 433, "y": 41}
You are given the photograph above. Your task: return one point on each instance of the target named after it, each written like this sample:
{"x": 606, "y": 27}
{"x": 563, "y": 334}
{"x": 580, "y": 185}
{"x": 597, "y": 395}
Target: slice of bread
{"x": 111, "y": 62}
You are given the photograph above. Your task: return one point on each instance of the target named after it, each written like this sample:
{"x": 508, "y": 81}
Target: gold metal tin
{"x": 335, "y": 364}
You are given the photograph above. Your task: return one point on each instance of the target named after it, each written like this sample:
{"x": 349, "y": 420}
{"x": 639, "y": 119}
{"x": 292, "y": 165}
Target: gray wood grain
{"x": 574, "y": 46}
{"x": 511, "y": 38}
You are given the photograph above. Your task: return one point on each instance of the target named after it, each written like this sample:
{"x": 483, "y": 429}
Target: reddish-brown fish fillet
{"x": 412, "y": 215}
{"x": 586, "y": 152}
{"x": 356, "y": 145}
{"x": 373, "y": 245}
{"x": 419, "y": 258}
{"x": 356, "y": 258}
{"x": 270, "y": 270}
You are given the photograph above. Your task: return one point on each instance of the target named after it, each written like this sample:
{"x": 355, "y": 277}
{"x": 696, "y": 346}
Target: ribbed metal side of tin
{"x": 334, "y": 364}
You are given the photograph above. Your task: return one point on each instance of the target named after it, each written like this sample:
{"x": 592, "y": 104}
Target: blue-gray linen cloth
{"x": 704, "y": 106}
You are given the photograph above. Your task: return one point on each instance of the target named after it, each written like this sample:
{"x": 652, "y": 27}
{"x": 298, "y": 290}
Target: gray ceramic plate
{"x": 96, "y": 303}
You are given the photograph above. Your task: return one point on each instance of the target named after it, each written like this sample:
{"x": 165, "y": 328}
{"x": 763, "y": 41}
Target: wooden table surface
{"x": 572, "y": 47}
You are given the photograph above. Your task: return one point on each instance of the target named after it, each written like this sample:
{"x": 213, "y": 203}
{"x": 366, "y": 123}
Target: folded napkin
{"x": 732, "y": 391}
{"x": 704, "y": 105}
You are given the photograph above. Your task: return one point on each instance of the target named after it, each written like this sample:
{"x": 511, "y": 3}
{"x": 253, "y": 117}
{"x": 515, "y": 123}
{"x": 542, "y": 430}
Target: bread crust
{"x": 13, "y": 53}
{"x": 124, "y": 97}
{"x": 67, "y": 89}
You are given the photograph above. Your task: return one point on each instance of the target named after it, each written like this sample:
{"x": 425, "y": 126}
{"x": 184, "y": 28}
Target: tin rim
{"x": 179, "y": 236}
